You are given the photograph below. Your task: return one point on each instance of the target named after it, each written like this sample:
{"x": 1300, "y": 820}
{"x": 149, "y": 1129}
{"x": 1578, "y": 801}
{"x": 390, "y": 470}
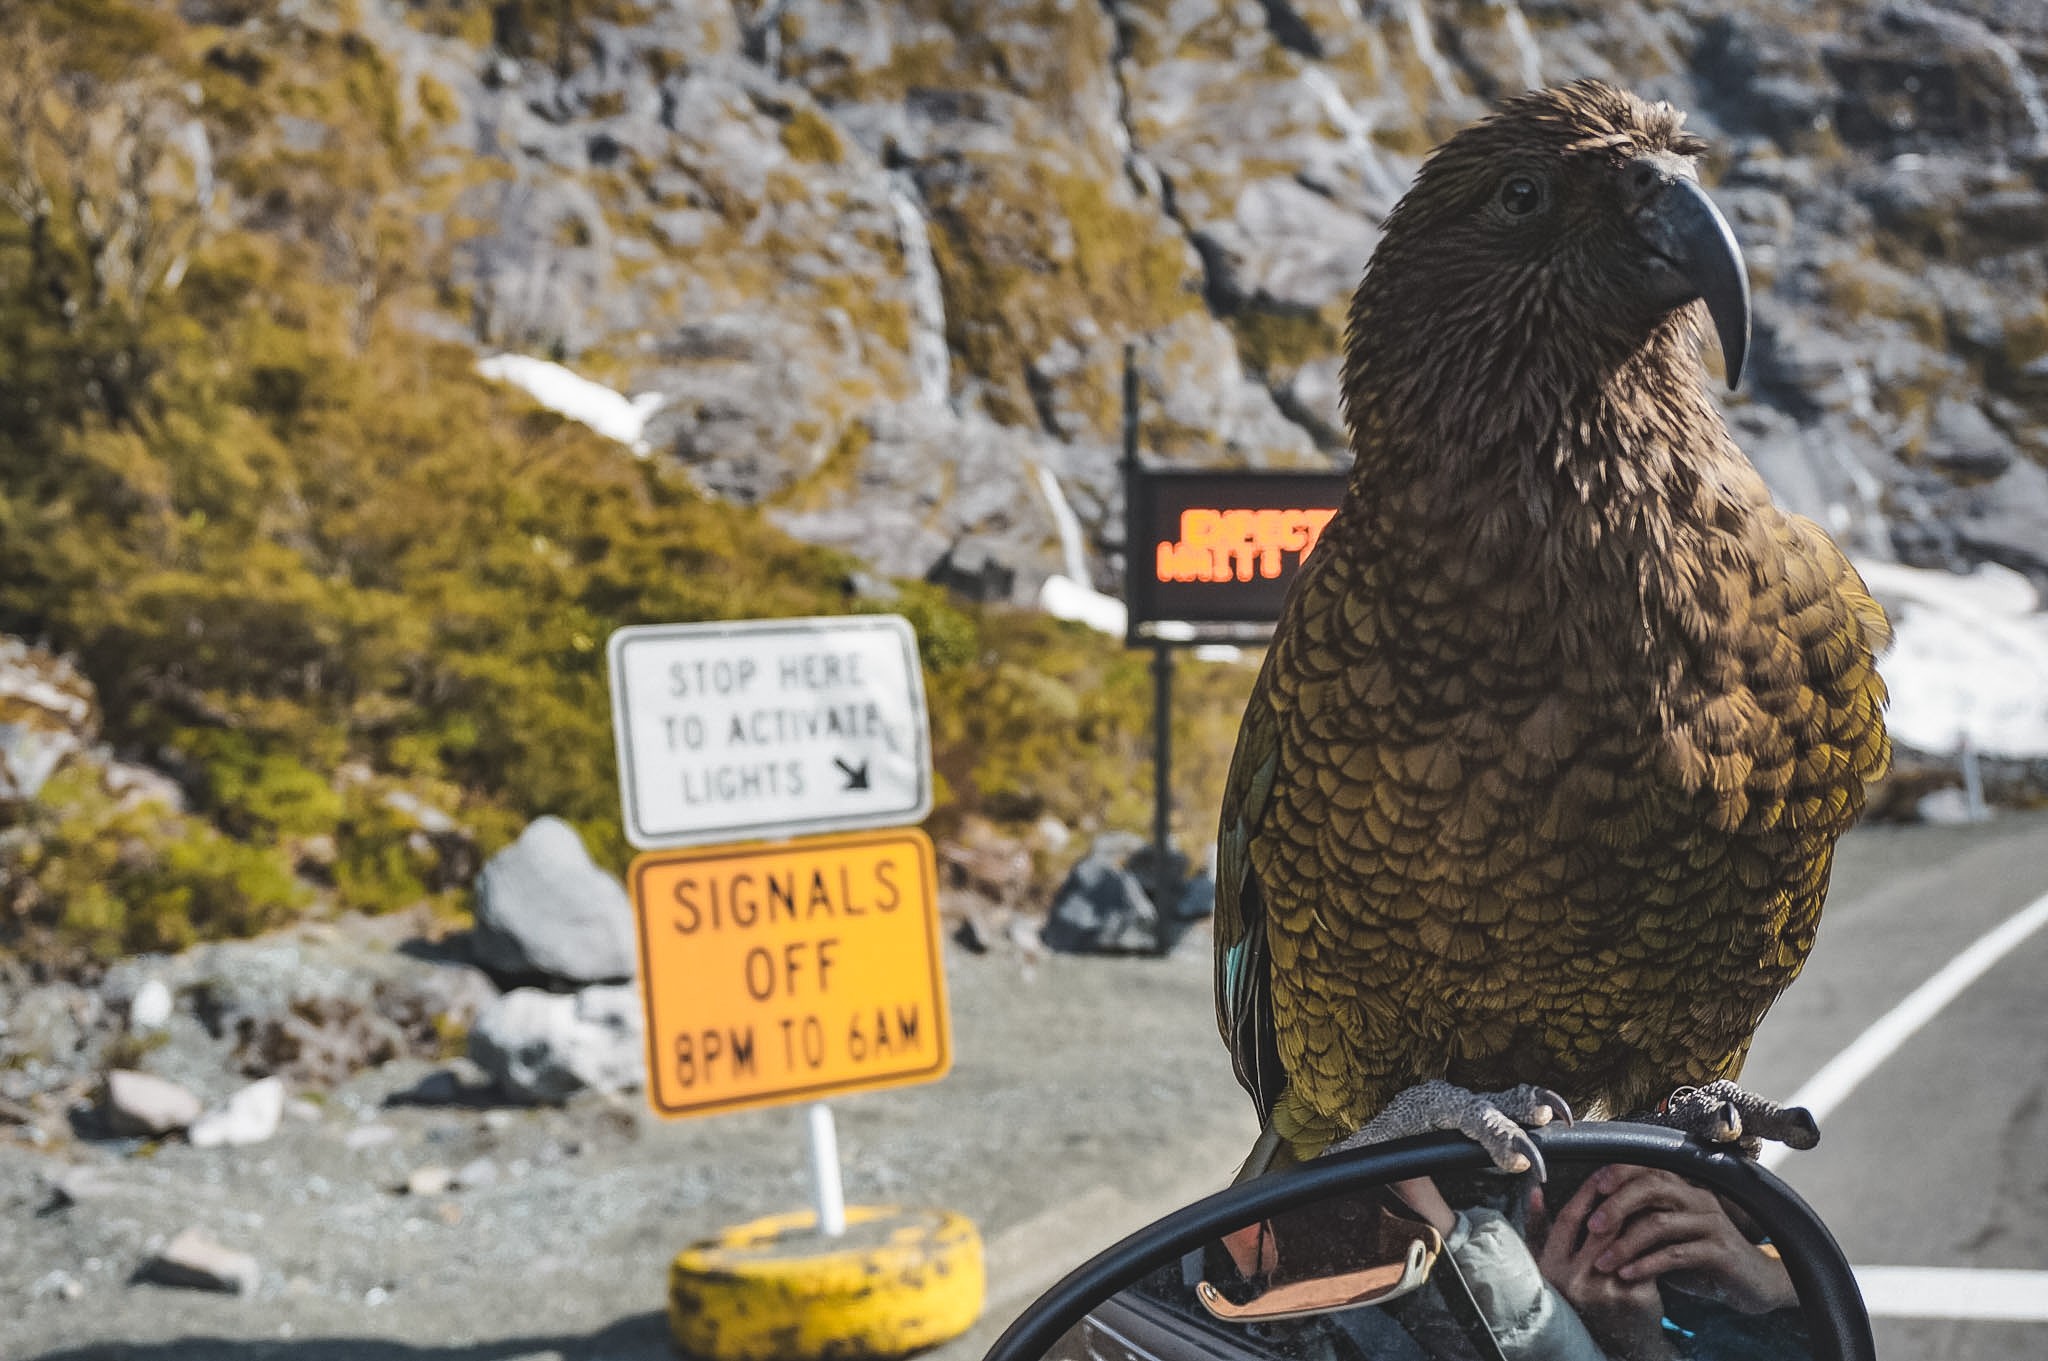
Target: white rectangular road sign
{"x": 769, "y": 728}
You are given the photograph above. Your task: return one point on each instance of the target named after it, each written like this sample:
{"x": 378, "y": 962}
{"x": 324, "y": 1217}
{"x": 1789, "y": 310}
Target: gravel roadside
{"x": 1088, "y": 1096}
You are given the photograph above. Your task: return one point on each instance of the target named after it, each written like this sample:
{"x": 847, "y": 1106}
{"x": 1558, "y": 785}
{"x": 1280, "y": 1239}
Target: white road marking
{"x": 1978, "y": 1293}
{"x": 1829, "y": 1087}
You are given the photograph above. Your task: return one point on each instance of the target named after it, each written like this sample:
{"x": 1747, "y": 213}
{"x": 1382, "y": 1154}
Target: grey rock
{"x": 133, "y": 786}
{"x": 57, "y": 1285}
{"x": 424, "y": 815}
{"x": 80, "y": 1186}
{"x": 543, "y": 908}
{"x": 1102, "y": 907}
{"x": 994, "y": 533}
{"x": 368, "y": 1136}
{"x": 1964, "y": 443}
{"x": 442, "y": 1087}
{"x": 1285, "y": 247}
{"x": 250, "y": 1116}
{"x": 1312, "y": 397}
{"x": 476, "y": 1174}
{"x": 48, "y": 714}
{"x": 194, "y": 1259}
{"x": 545, "y": 1047}
{"x": 150, "y": 1008}
{"x": 48, "y": 1025}
{"x": 1198, "y": 899}
{"x": 144, "y": 1104}
{"x": 431, "y": 1180}
{"x": 1884, "y": 168}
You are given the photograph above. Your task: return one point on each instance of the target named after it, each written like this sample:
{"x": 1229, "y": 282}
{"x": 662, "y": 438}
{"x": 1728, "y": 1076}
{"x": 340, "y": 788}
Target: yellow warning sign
{"x": 790, "y": 972}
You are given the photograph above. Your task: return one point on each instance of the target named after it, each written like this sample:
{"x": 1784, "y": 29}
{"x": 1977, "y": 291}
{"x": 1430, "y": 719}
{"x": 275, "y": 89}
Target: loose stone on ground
{"x": 196, "y": 1260}
{"x": 144, "y": 1104}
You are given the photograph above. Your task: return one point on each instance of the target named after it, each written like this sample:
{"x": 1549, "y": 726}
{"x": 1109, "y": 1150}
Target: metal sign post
{"x": 825, "y": 1172}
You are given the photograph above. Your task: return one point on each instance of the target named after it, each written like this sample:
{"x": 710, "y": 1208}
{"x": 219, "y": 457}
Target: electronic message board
{"x": 1209, "y": 547}
{"x": 790, "y": 972}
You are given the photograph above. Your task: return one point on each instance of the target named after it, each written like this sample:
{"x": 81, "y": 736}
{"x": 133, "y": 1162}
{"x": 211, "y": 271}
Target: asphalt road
{"x": 1939, "y": 1157}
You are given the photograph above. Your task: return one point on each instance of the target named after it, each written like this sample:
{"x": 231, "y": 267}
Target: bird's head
{"x": 1550, "y": 241}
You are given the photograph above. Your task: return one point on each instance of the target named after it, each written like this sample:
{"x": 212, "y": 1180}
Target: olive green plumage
{"x": 1543, "y": 774}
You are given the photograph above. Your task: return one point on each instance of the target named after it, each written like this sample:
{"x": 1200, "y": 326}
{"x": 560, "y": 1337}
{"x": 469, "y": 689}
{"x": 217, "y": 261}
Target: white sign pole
{"x": 825, "y": 1171}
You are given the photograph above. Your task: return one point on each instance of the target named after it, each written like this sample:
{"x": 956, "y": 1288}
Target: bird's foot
{"x": 1495, "y": 1121}
{"x": 1723, "y": 1113}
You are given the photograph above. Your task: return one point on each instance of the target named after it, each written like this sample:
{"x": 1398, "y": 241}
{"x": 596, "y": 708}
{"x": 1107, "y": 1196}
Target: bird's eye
{"x": 1520, "y": 196}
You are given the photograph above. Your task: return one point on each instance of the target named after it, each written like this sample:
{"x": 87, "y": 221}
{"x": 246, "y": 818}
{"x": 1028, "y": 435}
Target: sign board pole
{"x": 1162, "y": 788}
{"x": 1162, "y": 654}
{"x": 825, "y": 1171}
{"x": 1134, "y": 537}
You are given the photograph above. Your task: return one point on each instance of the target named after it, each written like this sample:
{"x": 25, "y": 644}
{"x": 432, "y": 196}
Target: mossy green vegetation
{"x": 92, "y": 876}
{"x": 326, "y": 576}
{"x": 1026, "y": 246}
{"x": 1274, "y": 343}
{"x": 553, "y": 31}
{"x": 807, "y": 137}
{"x": 1049, "y": 719}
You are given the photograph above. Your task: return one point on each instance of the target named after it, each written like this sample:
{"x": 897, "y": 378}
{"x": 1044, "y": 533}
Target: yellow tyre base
{"x": 897, "y": 1281}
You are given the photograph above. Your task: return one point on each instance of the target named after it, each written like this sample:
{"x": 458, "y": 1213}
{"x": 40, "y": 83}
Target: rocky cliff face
{"x": 881, "y": 260}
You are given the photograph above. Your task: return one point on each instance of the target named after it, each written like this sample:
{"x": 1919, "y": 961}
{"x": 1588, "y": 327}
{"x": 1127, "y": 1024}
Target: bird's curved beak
{"x": 1681, "y": 225}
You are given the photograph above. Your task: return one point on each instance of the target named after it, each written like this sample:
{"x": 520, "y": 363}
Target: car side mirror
{"x": 1640, "y": 1246}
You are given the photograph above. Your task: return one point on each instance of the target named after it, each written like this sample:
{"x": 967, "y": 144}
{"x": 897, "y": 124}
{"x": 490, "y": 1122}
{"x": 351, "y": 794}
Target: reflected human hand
{"x": 1660, "y": 1225}
{"x": 1422, "y": 1197}
{"x": 1626, "y": 1317}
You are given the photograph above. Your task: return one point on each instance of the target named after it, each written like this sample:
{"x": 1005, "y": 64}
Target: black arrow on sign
{"x": 856, "y": 776}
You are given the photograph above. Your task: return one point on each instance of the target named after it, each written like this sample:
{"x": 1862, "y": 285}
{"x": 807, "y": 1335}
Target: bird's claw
{"x": 1723, "y": 1113}
{"x": 1542, "y": 1097}
{"x": 1495, "y": 1121}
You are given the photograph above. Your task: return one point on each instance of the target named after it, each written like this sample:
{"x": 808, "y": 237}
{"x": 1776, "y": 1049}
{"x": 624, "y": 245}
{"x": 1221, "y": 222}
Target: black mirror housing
{"x": 1828, "y": 1297}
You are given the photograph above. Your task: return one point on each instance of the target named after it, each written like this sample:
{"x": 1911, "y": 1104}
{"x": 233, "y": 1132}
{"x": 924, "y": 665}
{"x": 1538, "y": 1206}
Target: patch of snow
{"x": 1969, "y": 656}
{"x": 611, "y": 414}
{"x": 1948, "y": 807}
{"x": 930, "y": 361}
{"x": 1073, "y": 559}
{"x": 1064, "y": 598}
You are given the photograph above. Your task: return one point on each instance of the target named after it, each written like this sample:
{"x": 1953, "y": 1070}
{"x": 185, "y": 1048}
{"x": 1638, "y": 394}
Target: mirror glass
{"x": 1603, "y": 1262}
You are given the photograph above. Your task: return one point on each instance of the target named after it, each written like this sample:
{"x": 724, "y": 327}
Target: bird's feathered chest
{"x": 1499, "y": 712}
{"x": 1492, "y": 660}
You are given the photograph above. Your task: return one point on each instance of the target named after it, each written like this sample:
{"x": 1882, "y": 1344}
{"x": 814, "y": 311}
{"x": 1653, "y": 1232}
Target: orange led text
{"x": 1238, "y": 545}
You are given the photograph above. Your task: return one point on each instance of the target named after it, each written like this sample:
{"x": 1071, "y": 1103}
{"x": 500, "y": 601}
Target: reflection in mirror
{"x": 1601, "y": 1263}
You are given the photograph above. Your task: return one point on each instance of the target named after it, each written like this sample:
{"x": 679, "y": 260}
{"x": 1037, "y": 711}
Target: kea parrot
{"x": 1535, "y": 799}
